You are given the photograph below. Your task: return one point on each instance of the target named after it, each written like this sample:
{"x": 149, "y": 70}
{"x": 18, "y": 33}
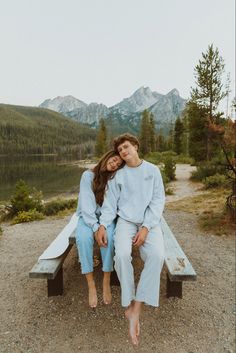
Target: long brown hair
{"x": 102, "y": 175}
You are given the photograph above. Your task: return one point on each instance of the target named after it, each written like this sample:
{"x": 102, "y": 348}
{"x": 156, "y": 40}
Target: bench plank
{"x": 178, "y": 266}
{"x": 48, "y": 268}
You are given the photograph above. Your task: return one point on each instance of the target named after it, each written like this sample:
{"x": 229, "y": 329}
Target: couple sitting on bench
{"x": 120, "y": 205}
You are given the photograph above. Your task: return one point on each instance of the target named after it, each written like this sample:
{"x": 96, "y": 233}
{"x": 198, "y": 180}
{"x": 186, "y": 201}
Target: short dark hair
{"x": 125, "y": 137}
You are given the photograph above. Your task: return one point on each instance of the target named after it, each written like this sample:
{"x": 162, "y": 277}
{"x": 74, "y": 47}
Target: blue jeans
{"x": 85, "y": 241}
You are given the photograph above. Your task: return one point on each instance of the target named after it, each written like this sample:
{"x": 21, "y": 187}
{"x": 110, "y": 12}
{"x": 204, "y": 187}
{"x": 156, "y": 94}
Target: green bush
{"x": 217, "y": 180}
{"x": 159, "y": 157}
{"x": 28, "y": 216}
{"x": 1, "y": 231}
{"x": 183, "y": 159}
{"x": 169, "y": 168}
{"x": 207, "y": 169}
{"x": 53, "y": 207}
{"x": 25, "y": 198}
{"x": 165, "y": 179}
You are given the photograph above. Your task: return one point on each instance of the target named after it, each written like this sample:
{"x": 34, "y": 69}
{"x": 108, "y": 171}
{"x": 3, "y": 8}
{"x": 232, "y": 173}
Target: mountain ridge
{"x": 164, "y": 107}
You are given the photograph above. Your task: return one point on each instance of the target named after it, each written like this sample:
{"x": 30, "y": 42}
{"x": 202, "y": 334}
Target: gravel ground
{"x": 202, "y": 322}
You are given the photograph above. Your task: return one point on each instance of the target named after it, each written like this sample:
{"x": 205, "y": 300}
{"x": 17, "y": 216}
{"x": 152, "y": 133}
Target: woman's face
{"x": 114, "y": 163}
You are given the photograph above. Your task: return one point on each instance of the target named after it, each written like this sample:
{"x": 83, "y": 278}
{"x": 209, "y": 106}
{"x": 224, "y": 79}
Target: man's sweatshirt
{"x": 136, "y": 194}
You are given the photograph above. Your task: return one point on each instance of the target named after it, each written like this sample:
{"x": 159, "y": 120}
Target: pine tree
{"x": 178, "y": 136}
{"x": 101, "y": 142}
{"x": 152, "y": 134}
{"x": 198, "y": 131}
{"x": 161, "y": 143}
{"x": 208, "y": 93}
{"x": 145, "y": 133}
{"x": 185, "y": 139}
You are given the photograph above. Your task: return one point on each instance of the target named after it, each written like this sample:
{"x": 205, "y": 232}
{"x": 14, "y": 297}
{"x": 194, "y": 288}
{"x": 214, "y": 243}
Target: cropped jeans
{"x": 85, "y": 242}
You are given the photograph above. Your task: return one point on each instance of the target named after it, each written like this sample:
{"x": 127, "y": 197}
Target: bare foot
{"x": 107, "y": 293}
{"x": 93, "y": 299}
{"x": 134, "y": 326}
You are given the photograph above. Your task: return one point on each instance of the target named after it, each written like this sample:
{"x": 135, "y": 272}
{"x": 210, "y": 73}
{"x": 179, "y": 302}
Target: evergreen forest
{"x": 29, "y": 130}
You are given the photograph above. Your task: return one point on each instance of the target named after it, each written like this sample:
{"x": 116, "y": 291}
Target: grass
{"x": 210, "y": 208}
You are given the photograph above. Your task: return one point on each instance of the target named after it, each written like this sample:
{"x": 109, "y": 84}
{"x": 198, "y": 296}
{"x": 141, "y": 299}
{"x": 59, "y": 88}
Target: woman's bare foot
{"x": 92, "y": 292}
{"x": 106, "y": 288}
{"x": 93, "y": 299}
{"x": 134, "y": 326}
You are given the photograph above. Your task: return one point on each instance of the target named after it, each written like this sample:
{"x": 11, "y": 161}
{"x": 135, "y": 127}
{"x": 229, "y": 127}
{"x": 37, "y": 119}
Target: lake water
{"x": 50, "y": 174}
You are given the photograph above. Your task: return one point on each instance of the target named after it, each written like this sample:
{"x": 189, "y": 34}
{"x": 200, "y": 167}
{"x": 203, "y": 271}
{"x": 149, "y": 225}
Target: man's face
{"x": 127, "y": 151}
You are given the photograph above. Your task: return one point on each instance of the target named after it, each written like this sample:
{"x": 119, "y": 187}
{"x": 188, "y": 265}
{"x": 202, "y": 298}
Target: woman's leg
{"x": 107, "y": 263}
{"x": 84, "y": 242}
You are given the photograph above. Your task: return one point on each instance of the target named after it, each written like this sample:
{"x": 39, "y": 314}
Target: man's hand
{"x": 140, "y": 237}
{"x": 101, "y": 236}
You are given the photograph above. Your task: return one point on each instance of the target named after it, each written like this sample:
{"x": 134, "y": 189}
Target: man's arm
{"x": 155, "y": 208}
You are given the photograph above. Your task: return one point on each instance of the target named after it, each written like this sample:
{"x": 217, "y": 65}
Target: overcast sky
{"x": 103, "y": 50}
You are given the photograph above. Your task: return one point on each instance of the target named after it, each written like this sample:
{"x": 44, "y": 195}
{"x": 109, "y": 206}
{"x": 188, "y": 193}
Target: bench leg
{"x": 114, "y": 279}
{"x": 174, "y": 289}
{"x": 55, "y": 286}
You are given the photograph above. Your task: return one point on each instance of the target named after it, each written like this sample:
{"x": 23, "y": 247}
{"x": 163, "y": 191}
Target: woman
{"x": 92, "y": 189}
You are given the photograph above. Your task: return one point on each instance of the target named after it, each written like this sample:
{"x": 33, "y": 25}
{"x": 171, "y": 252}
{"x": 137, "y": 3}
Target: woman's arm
{"x": 87, "y": 203}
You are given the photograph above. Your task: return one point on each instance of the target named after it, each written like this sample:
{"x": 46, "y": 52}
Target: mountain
{"x": 140, "y": 100}
{"x": 25, "y": 130}
{"x": 125, "y": 115}
{"x": 63, "y": 104}
{"x": 91, "y": 114}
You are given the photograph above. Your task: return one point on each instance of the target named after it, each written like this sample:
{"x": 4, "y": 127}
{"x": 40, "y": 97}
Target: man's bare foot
{"x": 134, "y": 326}
{"x": 106, "y": 293}
{"x": 93, "y": 299}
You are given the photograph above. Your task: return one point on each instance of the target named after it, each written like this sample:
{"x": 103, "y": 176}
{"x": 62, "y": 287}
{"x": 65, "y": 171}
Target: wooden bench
{"x": 178, "y": 267}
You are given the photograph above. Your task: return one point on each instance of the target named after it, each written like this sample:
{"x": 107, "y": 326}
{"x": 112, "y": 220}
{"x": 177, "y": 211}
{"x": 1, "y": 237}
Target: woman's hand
{"x": 101, "y": 236}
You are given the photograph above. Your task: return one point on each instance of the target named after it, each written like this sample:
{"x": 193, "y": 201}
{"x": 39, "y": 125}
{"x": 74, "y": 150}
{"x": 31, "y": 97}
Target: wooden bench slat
{"x": 50, "y": 267}
{"x": 178, "y": 266}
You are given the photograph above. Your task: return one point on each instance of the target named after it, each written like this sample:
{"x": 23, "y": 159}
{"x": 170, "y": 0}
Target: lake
{"x": 50, "y": 174}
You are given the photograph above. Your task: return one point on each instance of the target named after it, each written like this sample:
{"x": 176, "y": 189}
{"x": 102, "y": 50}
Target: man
{"x": 136, "y": 195}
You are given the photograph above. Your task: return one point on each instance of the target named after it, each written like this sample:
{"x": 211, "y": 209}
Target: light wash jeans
{"x": 85, "y": 242}
{"x": 152, "y": 253}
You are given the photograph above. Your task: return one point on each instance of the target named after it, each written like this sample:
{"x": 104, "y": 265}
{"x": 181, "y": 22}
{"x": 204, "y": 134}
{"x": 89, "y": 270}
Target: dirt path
{"x": 183, "y": 186}
{"x": 202, "y": 322}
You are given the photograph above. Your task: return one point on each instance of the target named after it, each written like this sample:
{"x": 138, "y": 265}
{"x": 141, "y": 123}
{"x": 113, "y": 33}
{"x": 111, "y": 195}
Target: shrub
{"x": 183, "y": 159}
{"x": 164, "y": 178}
{"x": 53, "y": 207}
{"x": 169, "y": 168}
{"x": 28, "y": 216}
{"x": 25, "y": 199}
{"x": 217, "y": 180}
{"x": 1, "y": 231}
{"x": 206, "y": 169}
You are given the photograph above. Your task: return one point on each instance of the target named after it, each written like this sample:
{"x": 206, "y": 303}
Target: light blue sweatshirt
{"x": 87, "y": 206}
{"x": 136, "y": 194}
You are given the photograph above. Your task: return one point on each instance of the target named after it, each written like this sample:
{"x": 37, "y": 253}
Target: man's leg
{"x": 152, "y": 253}
{"x": 124, "y": 233}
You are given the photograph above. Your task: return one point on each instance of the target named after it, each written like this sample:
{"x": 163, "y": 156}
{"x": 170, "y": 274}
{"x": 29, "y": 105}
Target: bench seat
{"x": 178, "y": 267}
